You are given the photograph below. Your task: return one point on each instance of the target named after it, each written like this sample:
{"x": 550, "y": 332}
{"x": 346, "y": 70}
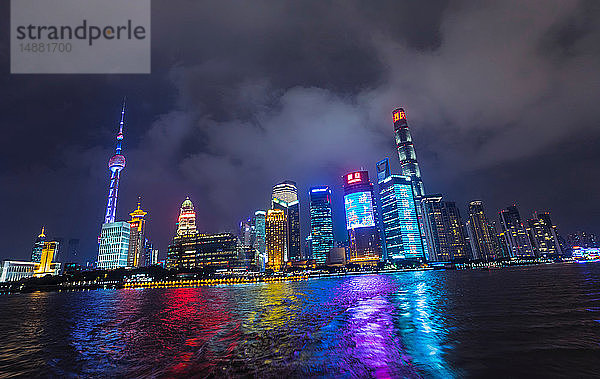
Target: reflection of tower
{"x": 137, "y": 241}
{"x": 116, "y": 164}
{"x": 36, "y": 254}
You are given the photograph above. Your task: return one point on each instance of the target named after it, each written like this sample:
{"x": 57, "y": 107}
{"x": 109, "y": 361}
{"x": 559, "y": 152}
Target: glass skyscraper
{"x": 114, "y": 245}
{"x": 399, "y": 215}
{"x": 285, "y": 197}
{"x": 361, "y": 221}
{"x": 321, "y": 223}
{"x": 406, "y": 151}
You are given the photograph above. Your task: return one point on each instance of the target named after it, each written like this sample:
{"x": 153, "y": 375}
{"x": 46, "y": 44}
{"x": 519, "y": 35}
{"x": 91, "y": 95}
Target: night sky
{"x": 503, "y": 101}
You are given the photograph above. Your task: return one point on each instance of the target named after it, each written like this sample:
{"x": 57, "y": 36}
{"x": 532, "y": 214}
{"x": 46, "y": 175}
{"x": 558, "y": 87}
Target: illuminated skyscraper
{"x": 36, "y": 253}
{"x": 514, "y": 233}
{"x": 482, "y": 234}
{"x": 186, "y": 223}
{"x": 321, "y": 224}
{"x": 543, "y": 236}
{"x": 399, "y": 215}
{"x": 406, "y": 151}
{"x": 285, "y": 197}
{"x": 116, "y": 164}
{"x": 361, "y": 220}
{"x": 137, "y": 240}
{"x": 114, "y": 245}
{"x": 260, "y": 239}
{"x": 276, "y": 238}
{"x": 446, "y": 235}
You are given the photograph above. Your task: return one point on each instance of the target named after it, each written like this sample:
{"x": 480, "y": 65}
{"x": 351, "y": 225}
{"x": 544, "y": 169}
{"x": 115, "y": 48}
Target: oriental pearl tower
{"x": 116, "y": 164}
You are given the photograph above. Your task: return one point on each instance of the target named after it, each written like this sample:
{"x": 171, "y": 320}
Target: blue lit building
{"x": 402, "y": 234}
{"x": 114, "y": 245}
{"x": 361, "y": 221}
{"x": 38, "y": 246}
{"x": 321, "y": 223}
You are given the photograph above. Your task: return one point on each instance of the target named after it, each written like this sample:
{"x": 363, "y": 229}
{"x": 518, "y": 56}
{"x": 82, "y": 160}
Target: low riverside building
{"x": 193, "y": 251}
{"x": 17, "y": 270}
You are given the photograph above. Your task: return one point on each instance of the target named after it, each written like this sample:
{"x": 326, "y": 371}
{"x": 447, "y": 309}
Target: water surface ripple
{"x": 519, "y": 322}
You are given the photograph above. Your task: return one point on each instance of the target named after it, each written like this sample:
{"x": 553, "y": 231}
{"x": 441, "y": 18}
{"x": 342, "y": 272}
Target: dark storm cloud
{"x": 247, "y": 94}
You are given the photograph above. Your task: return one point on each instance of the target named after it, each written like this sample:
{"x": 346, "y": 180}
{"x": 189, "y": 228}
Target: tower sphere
{"x": 117, "y": 162}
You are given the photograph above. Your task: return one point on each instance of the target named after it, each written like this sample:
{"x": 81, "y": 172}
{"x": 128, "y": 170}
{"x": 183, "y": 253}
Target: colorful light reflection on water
{"x": 414, "y": 324}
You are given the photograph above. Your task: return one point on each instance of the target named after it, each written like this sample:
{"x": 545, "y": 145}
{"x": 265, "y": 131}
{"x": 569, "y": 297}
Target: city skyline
{"x": 490, "y": 120}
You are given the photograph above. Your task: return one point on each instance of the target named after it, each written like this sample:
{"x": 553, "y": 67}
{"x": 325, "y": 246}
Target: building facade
{"x": 515, "y": 233}
{"x": 36, "y": 252}
{"x": 543, "y": 235}
{"x": 114, "y": 245}
{"x": 399, "y": 218}
{"x": 197, "y": 250}
{"x": 285, "y": 198}
{"x": 482, "y": 234}
{"x": 446, "y": 235}
{"x": 137, "y": 240}
{"x": 276, "y": 239}
{"x": 321, "y": 224}
{"x": 362, "y": 222}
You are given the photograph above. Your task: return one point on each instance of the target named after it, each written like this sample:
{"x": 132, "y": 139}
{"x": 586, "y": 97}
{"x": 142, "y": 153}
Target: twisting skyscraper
{"x": 406, "y": 151}
{"x": 116, "y": 164}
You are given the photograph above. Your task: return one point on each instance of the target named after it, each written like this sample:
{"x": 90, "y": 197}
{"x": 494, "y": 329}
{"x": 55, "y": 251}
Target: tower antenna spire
{"x": 116, "y": 164}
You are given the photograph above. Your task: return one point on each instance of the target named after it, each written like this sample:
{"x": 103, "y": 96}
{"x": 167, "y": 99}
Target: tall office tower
{"x": 260, "y": 238}
{"x": 514, "y": 233}
{"x": 137, "y": 240}
{"x": 246, "y": 232}
{"x": 406, "y": 151}
{"x": 460, "y": 249}
{"x": 285, "y": 197}
{"x": 361, "y": 221}
{"x": 543, "y": 236}
{"x": 114, "y": 245}
{"x": 116, "y": 164}
{"x": 186, "y": 223}
{"x": 36, "y": 253}
{"x": 446, "y": 236}
{"x": 321, "y": 224}
{"x": 276, "y": 238}
{"x": 482, "y": 234}
{"x": 410, "y": 167}
{"x": 582, "y": 239}
{"x": 399, "y": 215}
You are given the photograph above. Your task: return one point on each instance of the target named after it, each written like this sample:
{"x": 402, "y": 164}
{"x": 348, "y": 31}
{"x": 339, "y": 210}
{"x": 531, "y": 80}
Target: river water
{"x": 536, "y": 321}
